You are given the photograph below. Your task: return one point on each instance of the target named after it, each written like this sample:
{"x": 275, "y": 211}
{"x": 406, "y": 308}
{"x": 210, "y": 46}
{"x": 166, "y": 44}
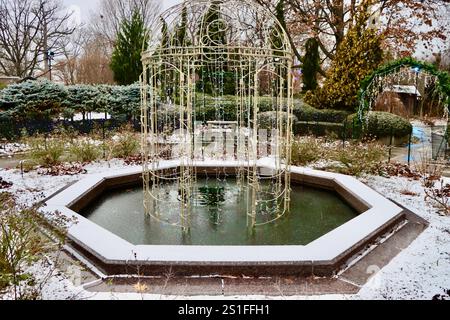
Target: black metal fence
{"x": 406, "y": 149}
{"x": 440, "y": 143}
{"x": 11, "y": 129}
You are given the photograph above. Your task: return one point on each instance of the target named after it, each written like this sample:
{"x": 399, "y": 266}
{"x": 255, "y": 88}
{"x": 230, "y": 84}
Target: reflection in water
{"x": 212, "y": 197}
{"x": 219, "y": 216}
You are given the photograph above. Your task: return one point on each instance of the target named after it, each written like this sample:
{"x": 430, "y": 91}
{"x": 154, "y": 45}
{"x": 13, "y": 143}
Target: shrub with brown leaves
{"x": 63, "y": 170}
{"x": 4, "y": 184}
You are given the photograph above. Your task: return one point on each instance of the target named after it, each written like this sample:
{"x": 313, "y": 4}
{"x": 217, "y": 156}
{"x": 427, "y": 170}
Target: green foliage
{"x": 305, "y": 112}
{"x": 84, "y": 150}
{"x": 384, "y": 124}
{"x": 320, "y": 129}
{"x": 212, "y": 31}
{"x": 22, "y": 245}
{"x": 310, "y": 65}
{"x": 276, "y": 39}
{"x": 45, "y": 151}
{"x": 212, "y": 27}
{"x": 44, "y": 99}
{"x": 207, "y": 108}
{"x": 126, "y": 143}
{"x": 32, "y": 99}
{"x": 268, "y": 120}
{"x": 120, "y": 101}
{"x": 126, "y": 59}
{"x": 180, "y": 37}
{"x": 356, "y": 57}
{"x": 165, "y": 36}
{"x": 81, "y": 99}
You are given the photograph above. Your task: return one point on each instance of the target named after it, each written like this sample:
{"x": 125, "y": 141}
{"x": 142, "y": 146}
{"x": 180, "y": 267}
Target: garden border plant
{"x": 26, "y": 238}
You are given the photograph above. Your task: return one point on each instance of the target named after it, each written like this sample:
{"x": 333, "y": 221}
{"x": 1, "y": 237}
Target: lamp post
{"x": 50, "y": 55}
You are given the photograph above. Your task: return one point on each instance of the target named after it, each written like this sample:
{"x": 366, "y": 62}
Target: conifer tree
{"x": 215, "y": 77}
{"x": 311, "y": 65}
{"x": 180, "y": 38}
{"x": 277, "y": 40}
{"x": 358, "y": 55}
{"x": 126, "y": 59}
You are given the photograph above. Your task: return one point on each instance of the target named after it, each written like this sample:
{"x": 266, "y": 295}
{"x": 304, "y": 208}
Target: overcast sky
{"x": 82, "y": 8}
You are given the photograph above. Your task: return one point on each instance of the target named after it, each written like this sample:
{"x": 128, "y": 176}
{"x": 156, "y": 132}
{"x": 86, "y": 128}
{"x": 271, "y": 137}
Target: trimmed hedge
{"x": 268, "y": 120}
{"x": 384, "y": 124}
{"x": 207, "y": 108}
{"x": 305, "y": 112}
{"x": 319, "y": 128}
{"x": 46, "y": 100}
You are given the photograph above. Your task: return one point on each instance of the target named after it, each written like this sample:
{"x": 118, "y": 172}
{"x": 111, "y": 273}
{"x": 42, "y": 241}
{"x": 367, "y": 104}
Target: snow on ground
{"x": 421, "y": 271}
{"x": 9, "y": 149}
{"x": 90, "y": 116}
{"x": 33, "y": 187}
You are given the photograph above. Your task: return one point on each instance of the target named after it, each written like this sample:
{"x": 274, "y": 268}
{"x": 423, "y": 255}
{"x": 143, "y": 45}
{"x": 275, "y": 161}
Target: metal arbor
{"x": 434, "y": 85}
{"x": 216, "y": 88}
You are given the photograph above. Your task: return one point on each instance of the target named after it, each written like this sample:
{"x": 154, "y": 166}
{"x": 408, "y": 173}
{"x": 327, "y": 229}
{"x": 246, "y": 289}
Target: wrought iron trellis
{"x": 407, "y": 70}
{"x": 217, "y": 87}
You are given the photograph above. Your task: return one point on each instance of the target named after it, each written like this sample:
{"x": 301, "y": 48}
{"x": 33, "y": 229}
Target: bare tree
{"x": 28, "y": 30}
{"x": 18, "y": 34}
{"x": 112, "y": 13}
{"x": 93, "y": 66}
{"x": 53, "y": 28}
{"x": 72, "y": 49}
{"x": 402, "y": 22}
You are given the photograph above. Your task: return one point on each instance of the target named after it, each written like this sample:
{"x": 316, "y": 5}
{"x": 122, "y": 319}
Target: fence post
{"x": 353, "y": 129}
{"x": 103, "y": 134}
{"x": 409, "y": 148}
{"x": 344, "y": 134}
{"x": 390, "y": 144}
{"x": 317, "y": 128}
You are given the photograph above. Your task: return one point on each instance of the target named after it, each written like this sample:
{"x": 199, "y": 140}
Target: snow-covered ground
{"x": 90, "y": 116}
{"x": 9, "y": 149}
{"x": 419, "y": 272}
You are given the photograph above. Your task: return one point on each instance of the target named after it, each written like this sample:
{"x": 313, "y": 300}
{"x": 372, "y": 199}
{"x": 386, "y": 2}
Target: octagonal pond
{"x": 313, "y": 213}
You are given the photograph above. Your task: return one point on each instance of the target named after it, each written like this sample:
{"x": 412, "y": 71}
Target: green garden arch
{"x": 373, "y": 85}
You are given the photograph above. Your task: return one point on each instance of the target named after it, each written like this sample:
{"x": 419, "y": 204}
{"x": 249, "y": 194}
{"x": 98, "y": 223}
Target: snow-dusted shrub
{"x": 46, "y": 151}
{"x": 22, "y": 245}
{"x": 126, "y": 143}
{"x": 307, "y": 150}
{"x": 268, "y": 120}
{"x": 84, "y": 150}
{"x": 358, "y": 158}
{"x": 385, "y": 124}
{"x": 45, "y": 99}
{"x": 33, "y": 99}
{"x": 81, "y": 99}
{"x": 355, "y": 158}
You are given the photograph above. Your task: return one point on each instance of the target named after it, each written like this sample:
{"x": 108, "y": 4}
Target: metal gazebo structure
{"x": 217, "y": 88}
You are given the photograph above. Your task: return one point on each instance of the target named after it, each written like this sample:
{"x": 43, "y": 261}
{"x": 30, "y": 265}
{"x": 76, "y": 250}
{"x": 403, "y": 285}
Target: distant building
{"x": 409, "y": 95}
{"x": 8, "y": 80}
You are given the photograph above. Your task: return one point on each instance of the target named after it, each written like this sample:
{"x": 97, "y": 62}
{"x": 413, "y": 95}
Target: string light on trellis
{"x": 216, "y": 74}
